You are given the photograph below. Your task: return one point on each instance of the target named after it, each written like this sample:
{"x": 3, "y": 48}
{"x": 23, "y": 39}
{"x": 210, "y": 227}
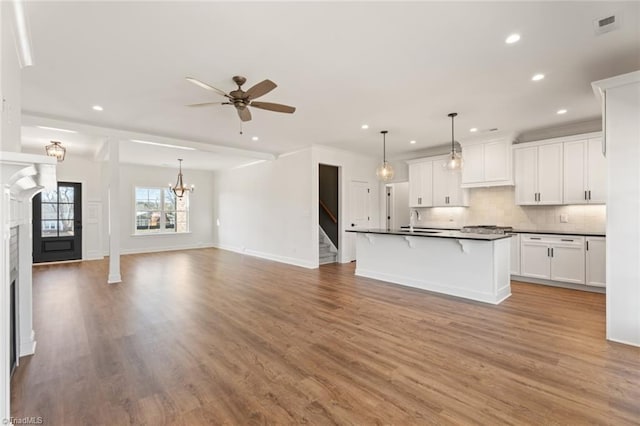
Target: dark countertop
{"x": 445, "y": 233}
{"x": 522, "y": 231}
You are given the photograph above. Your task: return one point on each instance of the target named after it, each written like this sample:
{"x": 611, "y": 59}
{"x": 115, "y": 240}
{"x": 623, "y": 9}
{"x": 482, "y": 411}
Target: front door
{"x": 57, "y": 224}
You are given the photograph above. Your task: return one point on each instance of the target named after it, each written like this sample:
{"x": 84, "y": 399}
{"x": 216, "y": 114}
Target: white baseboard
{"x": 624, "y": 342}
{"x": 572, "y": 286}
{"x": 166, "y": 248}
{"x": 269, "y": 256}
{"x": 28, "y": 347}
{"x": 435, "y": 287}
{"x": 114, "y": 279}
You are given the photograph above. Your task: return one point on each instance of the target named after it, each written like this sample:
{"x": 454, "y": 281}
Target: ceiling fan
{"x": 242, "y": 99}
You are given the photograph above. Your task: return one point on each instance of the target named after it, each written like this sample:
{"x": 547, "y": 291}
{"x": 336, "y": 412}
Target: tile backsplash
{"x": 496, "y": 206}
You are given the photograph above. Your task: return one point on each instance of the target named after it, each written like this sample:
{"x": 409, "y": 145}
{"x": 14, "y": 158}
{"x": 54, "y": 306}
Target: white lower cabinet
{"x": 515, "y": 254}
{"x": 596, "y": 265}
{"x": 551, "y": 257}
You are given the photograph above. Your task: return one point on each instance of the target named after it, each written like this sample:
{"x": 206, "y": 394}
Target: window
{"x": 158, "y": 210}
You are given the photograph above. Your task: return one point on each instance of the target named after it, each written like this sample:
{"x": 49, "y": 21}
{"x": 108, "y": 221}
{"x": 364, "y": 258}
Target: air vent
{"x": 606, "y": 24}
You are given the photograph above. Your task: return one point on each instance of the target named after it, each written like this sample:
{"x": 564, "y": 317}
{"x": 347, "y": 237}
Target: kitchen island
{"x": 473, "y": 266}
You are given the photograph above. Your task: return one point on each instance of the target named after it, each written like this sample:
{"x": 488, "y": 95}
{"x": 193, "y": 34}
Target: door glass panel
{"x": 66, "y": 228}
{"x": 65, "y": 211}
{"x": 49, "y": 196}
{"x": 49, "y": 211}
{"x": 66, "y": 194}
{"x": 49, "y": 228}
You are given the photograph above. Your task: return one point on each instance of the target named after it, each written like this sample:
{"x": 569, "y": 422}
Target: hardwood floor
{"x": 213, "y": 337}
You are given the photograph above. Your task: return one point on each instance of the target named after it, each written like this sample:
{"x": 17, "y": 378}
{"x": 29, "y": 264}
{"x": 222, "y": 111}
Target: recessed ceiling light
{"x": 561, "y": 111}
{"x": 255, "y": 138}
{"x": 412, "y": 142}
{"x": 56, "y": 129}
{"x": 537, "y": 77}
{"x": 97, "y": 108}
{"x": 165, "y": 145}
{"x": 365, "y": 126}
{"x": 473, "y": 129}
{"x": 513, "y": 38}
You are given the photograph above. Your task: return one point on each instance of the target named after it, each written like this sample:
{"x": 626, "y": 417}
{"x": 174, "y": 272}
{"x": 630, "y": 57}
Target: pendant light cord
{"x": 452, "y": 115}
{"x": 384, "y": 146}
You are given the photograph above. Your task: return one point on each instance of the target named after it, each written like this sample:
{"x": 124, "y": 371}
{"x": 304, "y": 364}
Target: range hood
{"x": 27, "y": 174}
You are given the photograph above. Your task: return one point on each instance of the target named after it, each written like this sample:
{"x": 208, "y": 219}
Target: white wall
{"x": 270, "y": 209}
{"x": 200, "y": 208}
{"x": 264, "y": 210}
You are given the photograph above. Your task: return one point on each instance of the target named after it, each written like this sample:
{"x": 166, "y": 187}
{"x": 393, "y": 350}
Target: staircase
{"x": 328, "y": 253}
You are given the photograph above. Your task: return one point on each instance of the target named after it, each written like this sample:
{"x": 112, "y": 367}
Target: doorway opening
{"x": 328, "y": 217}
{"x": 57, "y": 224}
{"x": 397, "y": 204}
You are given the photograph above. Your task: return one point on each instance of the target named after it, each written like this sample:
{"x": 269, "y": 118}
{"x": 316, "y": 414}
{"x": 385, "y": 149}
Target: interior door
{"x": 359, "y": 213}
{"x": 359, "y": 204}
{"x": 57, "y": 224}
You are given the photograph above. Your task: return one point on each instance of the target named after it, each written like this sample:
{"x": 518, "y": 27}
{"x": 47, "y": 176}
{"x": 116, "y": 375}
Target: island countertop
{"x": 433, "y": 234}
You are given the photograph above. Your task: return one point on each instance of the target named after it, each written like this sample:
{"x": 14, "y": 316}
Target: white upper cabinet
{"x": 431, "y": 184}
{"x": 585, "y": 172}
{"x": 420, "y": 184}
{"x": 526, "y": 178}
{"x": 550, "y": 174}
{"x": 488, "y": 163}
{"x": 538, "y": 174}
{"x": 446, "y": 186}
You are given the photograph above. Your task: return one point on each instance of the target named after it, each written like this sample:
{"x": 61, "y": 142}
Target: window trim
{"x": 162, "y": 229}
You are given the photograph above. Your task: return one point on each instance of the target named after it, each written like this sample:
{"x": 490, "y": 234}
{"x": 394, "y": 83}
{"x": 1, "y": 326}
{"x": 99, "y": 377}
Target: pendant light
{"x": 454, "y": 162}
{"x": 180, "y": 188}
{"x": 55, "y": 149}
{"x": 384, "y": 171}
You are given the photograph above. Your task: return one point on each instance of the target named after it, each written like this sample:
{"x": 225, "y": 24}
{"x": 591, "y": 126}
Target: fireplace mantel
{"x": 22, "y": 176}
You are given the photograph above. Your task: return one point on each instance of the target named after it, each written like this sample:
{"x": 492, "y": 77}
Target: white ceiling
{"x": 396, "y": 66}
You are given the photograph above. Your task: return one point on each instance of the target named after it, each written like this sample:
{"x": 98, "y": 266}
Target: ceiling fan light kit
{"x": 384, "y": 172}
{"x": 241, "y": 99}
{"x": 454, "y": 162}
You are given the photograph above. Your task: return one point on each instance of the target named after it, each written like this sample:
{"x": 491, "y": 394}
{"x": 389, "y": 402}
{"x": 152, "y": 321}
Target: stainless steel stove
{"x": 487, "y": 229}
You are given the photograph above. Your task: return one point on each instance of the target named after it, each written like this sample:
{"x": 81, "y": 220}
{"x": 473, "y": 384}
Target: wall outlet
{"x": 564, "y": 218}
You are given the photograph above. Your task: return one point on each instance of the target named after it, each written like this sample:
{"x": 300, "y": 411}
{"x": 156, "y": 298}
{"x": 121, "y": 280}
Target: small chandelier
{"x": 384, "y": 171}
{"x": 55, "y": 149}
{"x": 180, "y": 188}
{"x": 454, "y": 162}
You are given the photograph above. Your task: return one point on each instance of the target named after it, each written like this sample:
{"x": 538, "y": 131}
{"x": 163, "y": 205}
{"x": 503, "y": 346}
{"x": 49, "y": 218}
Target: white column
{"x": 622, "y": 142}
{"x": 26, "y": 340}
{"x": 114, "y": 212}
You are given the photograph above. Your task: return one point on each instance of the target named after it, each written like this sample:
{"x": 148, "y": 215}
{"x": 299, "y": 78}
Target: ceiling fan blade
{"x": 260, "y": 89}
{"x": 244, "y": 114}
{"x": 205, "y": 104}
{"x": 206, "y": 86}
{"x": 273, "y": 107}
